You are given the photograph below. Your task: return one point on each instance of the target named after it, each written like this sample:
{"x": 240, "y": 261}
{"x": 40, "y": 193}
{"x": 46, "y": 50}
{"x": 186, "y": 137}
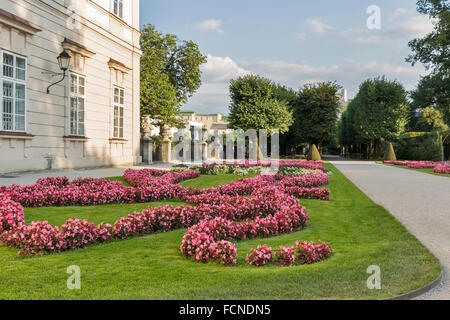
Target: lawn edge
{"x": 431, "y": 285}
{"x": 421, "y": 291}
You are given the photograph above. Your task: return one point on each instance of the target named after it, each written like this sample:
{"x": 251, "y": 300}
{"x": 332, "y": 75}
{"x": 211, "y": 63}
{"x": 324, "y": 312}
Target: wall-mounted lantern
{"x": 63, "y": 62}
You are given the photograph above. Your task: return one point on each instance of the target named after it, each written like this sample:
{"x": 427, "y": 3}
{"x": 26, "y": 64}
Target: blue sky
{"x": 291, "y": 41}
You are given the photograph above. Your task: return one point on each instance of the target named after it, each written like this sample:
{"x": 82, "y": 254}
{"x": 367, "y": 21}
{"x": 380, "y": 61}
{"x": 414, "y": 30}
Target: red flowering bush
{"x": 275, "y": 212}
{"x": 89, "y": 191}
{"x": 419, "y": 164}
{"x": 77, "y": 234}
{"x": 285, "y": 257}
{"x": 303, "y": 253}
{"x": 223, "y": 252}
{"x": 11, "y": 214}
{"x": 309, "y": 253}
{"x": 260, "y": 256}
{"x": 442, "y": 169}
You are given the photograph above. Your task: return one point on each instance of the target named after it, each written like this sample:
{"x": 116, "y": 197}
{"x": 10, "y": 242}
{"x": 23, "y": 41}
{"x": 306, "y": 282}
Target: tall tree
{"x": 316, "y": 113}
{"x": 381, "y": 112}
{"x": 253, "y": 105}
{"x": 434, "y": 52}
{"x": 170, "y": 74}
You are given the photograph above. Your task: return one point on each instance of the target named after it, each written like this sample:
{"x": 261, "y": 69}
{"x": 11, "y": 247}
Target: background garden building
{"x": 92, "y": 117}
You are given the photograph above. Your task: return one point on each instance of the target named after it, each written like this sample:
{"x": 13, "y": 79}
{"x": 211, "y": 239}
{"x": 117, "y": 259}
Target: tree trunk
{"x": 377, "y": 149}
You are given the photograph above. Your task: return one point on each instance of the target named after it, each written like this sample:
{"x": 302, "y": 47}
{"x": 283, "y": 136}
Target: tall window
{"x": 118, "y": 112}
{"x": 118, "y": 8}
{"x": 77, "y": 104}
{"x": 13, "y": 94}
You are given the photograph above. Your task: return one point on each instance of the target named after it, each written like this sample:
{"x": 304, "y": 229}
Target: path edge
{"x": 422, "y": 291}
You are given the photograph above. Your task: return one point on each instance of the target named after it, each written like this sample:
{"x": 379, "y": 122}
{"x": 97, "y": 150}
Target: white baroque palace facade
{"x": 89, "y": 119}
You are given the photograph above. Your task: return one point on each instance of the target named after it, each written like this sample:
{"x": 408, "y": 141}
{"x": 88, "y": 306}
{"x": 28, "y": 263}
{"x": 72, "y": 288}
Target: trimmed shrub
{"x": 314, "y": 154}
{"x": 390, "y": 153}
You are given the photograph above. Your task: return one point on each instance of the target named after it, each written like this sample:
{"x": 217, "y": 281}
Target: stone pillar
{"x": 147, "y": 150}
{"x": 204, "y": 144}
{"x": 146, "y": 147}
{"x": 166, "y": 145}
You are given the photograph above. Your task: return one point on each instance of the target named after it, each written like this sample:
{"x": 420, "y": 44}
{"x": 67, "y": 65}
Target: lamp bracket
{"x": 53, "y": 74}
{"x": 64, "y": 76}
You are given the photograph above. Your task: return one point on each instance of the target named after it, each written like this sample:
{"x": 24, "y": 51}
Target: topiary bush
{"x": 390, "y": 153}
{"x": 314, "y": 154}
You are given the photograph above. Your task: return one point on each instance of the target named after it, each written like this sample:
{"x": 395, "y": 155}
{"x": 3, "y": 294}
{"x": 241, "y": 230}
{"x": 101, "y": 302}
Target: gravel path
{"x": 419, "y": 200}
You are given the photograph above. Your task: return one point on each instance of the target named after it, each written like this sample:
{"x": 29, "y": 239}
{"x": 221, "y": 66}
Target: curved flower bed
{"x": 151, "y": 185}
{"x": 268, "y": 212}
{"x": 442, "y": 169}
{"x": 221, "y": 214}
{"x": 419, "y": 164}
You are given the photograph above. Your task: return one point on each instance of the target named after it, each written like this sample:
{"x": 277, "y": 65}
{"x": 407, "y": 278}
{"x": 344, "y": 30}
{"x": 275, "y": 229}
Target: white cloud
{"x": 375, "y": 39}
{"x": 398, "y": 12}
{"x": 213, "y": 95}
{"x": 210, "y": 25}
{"x": 218, "y": 69}
{"x": 415, "y": 27}
{"x": 317, "y": 26}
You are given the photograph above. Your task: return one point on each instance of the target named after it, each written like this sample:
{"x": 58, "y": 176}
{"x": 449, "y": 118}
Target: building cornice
{"x": 77, "y": 48}
{"x": 17, "y": 22}
{"x": 114, "y": 64}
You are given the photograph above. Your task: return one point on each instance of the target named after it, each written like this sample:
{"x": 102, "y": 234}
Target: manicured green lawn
{"x": 152, "y": 267}
{"x": 429, "y": 171}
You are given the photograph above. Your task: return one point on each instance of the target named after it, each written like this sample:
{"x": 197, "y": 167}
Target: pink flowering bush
{"x": 223, "y": 252}
{"x": 302, "y": 253}
{"x": 309, "y": 253}
{"x": 285, "y": 256}
{"x": 89, "y": 191}
{"x": 11, "y": 214}
{"x": 274, "y": 212}
{"x": 442, "y": 169}
{"x": 260, "y": 256}
{"x": 420, "y": 164}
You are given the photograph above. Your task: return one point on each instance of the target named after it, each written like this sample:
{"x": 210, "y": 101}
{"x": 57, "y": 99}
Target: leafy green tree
{"x": 170, "y": 74}
{"x": 381, "y": 111}
{"x": 347, "y": 135}
{"x": 253, "y": 105}
{"x": 433, "y": 51}
{"x": 432, "y": 91}
{"x": 316, "y": 112}
{"x": 430, "y": 120}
